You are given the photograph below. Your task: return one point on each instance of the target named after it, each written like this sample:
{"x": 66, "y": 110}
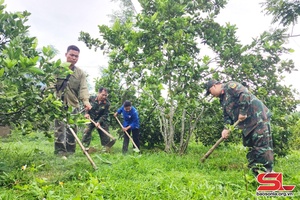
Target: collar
{"x": 104, "y": 101}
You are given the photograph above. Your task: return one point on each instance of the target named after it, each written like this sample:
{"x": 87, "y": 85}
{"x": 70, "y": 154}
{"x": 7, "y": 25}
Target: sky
{"x": 59, "y": 22}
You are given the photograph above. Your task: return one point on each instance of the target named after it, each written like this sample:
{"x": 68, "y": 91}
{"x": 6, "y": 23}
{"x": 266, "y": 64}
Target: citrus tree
{"x": 173, "y": 47}
{"x": 25, "y": 74}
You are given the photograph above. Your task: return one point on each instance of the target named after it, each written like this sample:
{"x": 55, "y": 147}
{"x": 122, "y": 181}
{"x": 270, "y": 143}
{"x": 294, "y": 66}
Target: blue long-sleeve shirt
{"x": 131, "y": 118}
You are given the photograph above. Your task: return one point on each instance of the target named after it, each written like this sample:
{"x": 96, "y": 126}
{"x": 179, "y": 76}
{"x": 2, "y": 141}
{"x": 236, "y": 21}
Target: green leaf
{"x": 65, "y": 64}
{"x": 153, "y": 17}
{"x": 83, "y": 121}
{"x": 1, "y": 72}
{"x": 36, "y": 70}
{"x": 10, "y": 63}
{"x": 35, "y": 43}
{"x": 291, "y": 50}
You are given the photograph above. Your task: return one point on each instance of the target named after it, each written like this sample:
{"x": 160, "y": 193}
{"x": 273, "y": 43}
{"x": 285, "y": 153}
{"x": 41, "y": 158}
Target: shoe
{"x": 64, "y": 157}
{"x": 62, "y": 154}
{"x": 270, "y": 170}
{"x": 107, "y": 149}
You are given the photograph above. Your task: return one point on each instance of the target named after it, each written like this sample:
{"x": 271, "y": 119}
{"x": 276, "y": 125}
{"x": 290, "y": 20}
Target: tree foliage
{"x": 127, "y": 10}
{"x": 173, "y": 47}
{"x": 25, "y": 72}
{"x": 285, "y": 12}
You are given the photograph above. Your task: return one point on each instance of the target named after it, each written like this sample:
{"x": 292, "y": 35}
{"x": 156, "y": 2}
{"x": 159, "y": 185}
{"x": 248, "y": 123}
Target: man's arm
{"x": 84, "y": 92}
{"x": 243, "y": 99}
{"x": 119, "y": 111}
{"x": 135, "y": 120}
{"x": 244, "y": 102}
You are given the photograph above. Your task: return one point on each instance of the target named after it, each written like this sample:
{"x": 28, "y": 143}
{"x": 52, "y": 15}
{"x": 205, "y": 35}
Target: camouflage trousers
{"x": 87, "y": 135}
{"x": 64, "y": 139}
{"x": 260, "y": 155}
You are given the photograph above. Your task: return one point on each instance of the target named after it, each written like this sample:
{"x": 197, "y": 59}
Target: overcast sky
{"x": 59, "y": 22}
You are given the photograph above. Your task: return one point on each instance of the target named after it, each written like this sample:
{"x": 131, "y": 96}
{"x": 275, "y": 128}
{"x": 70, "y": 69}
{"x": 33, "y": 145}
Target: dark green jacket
{"x": 236, "y": 100}
{"x": 100, "y": 110}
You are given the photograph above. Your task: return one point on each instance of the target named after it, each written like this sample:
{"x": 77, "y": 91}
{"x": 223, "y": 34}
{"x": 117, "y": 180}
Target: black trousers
{"x": 135, "y": 137}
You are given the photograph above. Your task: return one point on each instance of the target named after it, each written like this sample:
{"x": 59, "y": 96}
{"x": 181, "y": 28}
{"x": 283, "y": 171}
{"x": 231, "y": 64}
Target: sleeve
{"x": 119, "y": 111}
{"x": 227, "y": 119}
{"x": 90, "y": 100}
{"x": 242, "y": 96}
{"x": 83, "y": 91}
{"x": 244, "y": 102}
{"x": 135, "y": 120}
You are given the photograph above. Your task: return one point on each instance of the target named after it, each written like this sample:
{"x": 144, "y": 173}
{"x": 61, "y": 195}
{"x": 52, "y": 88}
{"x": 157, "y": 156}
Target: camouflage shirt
{"x": 236, "y": 100}
{"x": 100, "y": 110}
{"x": 75, "y": 90}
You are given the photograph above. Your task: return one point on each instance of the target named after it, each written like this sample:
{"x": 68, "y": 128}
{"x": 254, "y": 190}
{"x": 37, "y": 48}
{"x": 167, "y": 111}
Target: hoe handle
{"x": 102, "y": 129}
{"x": 127, "y": 133}
{"x": 215, "y": 145}
{"x": 82, "y": 147}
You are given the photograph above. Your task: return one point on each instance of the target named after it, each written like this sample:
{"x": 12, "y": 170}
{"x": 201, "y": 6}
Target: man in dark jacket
{"x": 70, "y": 90}
{"x": 99, "y": 113}
{"x": 254, "y": 120}
{"x": 131, "y": 124}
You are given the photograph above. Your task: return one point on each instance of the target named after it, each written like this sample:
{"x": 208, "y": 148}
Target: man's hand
{"x": 126, "y": 128}
{"x": 87, "y": 116}
{"x": 225, "y": 133}
{"x": 88, "y": 107}
{"x": 242, "y": 117}
{"x": 98, "y": 124}
{"x": 115, "y": 114}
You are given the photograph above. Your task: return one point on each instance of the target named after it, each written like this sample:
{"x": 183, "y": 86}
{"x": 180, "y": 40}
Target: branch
{"x": 16, "y": 112}
{"x": 288, "y": 36}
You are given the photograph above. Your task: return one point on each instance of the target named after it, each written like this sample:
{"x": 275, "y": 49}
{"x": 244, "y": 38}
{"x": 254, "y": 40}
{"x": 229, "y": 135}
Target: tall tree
{"x": 173, "y": 47}
{"x": 286, "y": 13}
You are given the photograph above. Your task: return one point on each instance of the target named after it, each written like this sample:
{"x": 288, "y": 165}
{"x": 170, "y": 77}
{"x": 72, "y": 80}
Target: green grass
{"x": 153, "y": 174}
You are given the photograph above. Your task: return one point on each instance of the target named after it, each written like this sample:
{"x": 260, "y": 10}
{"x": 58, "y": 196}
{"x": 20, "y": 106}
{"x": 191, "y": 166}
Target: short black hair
{"x": 101, "y": 89}
{"x": 73, "y": 47}
{"x": 127, "y": 103}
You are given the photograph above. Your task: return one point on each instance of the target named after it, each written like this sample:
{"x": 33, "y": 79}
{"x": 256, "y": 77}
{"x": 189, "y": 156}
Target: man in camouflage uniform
{"x": 99, "y": 114}
{"x": 254, "y": 120}
{"x": 70, "y": 90}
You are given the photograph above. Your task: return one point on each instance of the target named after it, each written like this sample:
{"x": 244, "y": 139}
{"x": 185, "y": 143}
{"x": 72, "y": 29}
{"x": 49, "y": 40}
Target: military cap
{"x": 209, "y": 84}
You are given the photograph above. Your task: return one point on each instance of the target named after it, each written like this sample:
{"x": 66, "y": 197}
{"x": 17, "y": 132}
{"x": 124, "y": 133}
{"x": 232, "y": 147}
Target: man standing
{"x": 254, "y": 120}
{"x": 70, "y": 90}
{"x": 131, "y": 124}
{"x": 99, "y": 114}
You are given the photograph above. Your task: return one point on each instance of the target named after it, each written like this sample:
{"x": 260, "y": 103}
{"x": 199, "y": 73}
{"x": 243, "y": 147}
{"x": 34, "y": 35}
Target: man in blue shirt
{"x": 131, "y": 124}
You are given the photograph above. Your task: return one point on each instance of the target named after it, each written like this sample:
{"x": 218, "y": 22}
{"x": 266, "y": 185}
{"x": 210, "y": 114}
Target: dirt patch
{"x": 4, "y": 131}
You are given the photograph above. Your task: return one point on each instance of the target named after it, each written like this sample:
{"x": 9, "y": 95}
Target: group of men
{"x": 73, "y": 89}
{"x": 237, "y": 102}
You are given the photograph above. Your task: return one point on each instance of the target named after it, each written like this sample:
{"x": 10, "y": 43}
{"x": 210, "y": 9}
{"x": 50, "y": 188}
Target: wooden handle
{"x": 82, "y": 147}
{"x": 212, "y": 149}
{"x": 103, "y": 130}
{"x": 127, "y": 133}
{"x": 215, "y": 145}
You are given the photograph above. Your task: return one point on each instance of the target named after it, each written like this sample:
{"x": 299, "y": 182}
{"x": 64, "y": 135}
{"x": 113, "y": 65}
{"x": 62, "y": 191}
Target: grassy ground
{"x": 152, "y": 174}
